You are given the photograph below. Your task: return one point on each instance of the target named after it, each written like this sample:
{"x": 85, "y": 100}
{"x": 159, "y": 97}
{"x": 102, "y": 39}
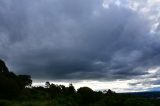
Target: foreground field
{"x": 74, "y": 100}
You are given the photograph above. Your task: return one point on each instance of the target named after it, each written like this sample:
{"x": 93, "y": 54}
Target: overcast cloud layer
{"x": 82, "y": 39}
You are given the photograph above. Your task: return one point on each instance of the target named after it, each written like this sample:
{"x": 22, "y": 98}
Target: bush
{"x": 8, "y": 88}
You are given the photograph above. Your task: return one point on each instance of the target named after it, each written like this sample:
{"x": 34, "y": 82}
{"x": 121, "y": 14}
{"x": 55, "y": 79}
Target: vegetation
{"x": 16, "y": 90}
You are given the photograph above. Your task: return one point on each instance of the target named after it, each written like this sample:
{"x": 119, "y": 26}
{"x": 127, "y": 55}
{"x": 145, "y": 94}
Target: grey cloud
{"x": 134, "y": 83}
{"x": 61, "y": 39}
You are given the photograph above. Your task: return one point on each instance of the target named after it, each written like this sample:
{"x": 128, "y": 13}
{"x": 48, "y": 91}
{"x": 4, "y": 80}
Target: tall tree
{"x": 24, "y": 81}
{"x": 3, "y": 67}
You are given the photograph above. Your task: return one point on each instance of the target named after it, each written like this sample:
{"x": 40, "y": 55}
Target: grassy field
{"x": 120, "y": 100}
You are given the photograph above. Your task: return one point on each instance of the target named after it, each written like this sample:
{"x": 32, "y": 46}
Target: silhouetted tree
{"x": 47, "y": 84}
{"x": 71, "y": 89}
{"x": 24, "y": 81}
{"x": 63, "y": 89}
{"x": 3, "y": 67}
{"x": 8, "y": 88}
{"x": 54, "y": 90}
{"x": 110, "y": 92}
{"x": 86, "y": 95}
{"x": 84, "y": 90}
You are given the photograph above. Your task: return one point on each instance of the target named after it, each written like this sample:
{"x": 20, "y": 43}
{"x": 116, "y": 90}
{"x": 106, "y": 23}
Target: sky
{"x": 102, "y": 44}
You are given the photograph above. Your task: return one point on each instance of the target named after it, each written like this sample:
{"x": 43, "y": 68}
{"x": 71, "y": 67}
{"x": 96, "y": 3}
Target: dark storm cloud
{"x": 68, "y": 39}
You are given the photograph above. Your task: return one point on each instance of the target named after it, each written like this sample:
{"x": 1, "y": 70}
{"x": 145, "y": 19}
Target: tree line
{"x": 19, "y": 88}
{"x": 11, "y": 84}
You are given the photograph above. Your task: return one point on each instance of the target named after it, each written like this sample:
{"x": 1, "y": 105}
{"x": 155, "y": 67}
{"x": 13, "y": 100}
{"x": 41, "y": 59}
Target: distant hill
{"x": 147, "y": 94}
